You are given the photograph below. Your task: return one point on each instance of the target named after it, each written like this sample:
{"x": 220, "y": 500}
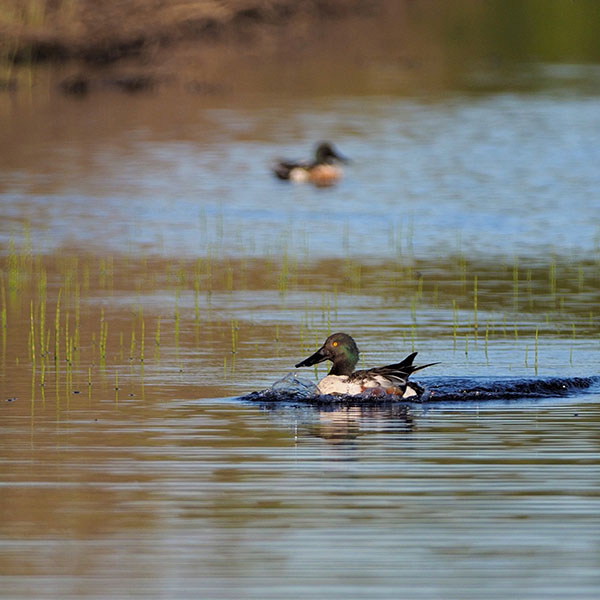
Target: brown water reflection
{"x": 217, "y": 499}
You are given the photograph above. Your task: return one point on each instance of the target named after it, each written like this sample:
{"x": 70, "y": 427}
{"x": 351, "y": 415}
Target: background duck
{"x": 343, "y": 352}
{"x": 323, "y": 171}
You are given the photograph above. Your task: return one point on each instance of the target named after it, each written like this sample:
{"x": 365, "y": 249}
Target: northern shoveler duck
{"x": 323, "y": 171}
{"x": 342, "y": 351}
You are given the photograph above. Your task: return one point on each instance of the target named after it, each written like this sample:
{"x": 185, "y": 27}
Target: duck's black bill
{"x": 317, "y": 357}
{"x": 341, "y": 157}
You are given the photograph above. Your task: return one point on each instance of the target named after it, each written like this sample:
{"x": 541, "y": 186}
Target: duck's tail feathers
{"x": 282, "y": 169}
{"x": 419, "y": 367}
{"x": 406, "y": 366}
{"x": 407, "y": 362}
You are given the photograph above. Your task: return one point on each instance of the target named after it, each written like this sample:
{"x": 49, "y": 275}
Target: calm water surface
{"x": 207, "y": 498}
{"x": 485, "y": 174}
{"x": 467, "y": 228}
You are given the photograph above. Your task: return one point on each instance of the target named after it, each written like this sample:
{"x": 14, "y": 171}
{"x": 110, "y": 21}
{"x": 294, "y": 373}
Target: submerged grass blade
{"x": 57, "y": 328}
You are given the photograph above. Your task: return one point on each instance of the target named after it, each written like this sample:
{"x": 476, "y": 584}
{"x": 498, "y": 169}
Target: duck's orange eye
{"x": 335, "y": 343}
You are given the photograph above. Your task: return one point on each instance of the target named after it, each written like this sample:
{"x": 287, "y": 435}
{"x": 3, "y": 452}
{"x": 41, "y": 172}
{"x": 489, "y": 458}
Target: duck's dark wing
{"x": 283, "y": 168}
{"x": 397, "y": 373}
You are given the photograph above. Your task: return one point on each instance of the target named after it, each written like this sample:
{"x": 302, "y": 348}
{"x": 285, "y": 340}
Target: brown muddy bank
{"x": 96, "y": 35}
{"x": 211, "y": 47}
{"x": 104, "y": 32}
{"x": 139, "y": 45}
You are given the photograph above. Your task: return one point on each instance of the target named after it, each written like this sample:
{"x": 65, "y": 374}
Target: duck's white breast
{"x": 299, "y": 175}
{"x": 338, "y": 384}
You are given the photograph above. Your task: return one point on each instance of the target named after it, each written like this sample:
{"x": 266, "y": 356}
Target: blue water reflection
{"x": 499, "y": 174}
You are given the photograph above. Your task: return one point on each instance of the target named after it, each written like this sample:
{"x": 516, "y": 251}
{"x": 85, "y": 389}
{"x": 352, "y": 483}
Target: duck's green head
{"x": 326, "y": 153}
{"x": 340, "y": 349}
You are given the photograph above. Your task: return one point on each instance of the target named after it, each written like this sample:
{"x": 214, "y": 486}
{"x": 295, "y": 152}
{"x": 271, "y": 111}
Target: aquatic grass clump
{"x": 454, "y": 321}
{"x": 537, "y": 331}
{"x": 31, "y": 340}
{"x": 132, "y": 345}
{"x": 57, "y": 328}
{"x": 516, "y": 284}
{"x": 197, "y": 301}
{"x": 475, "y": 304}
{"x": 3, "y": 313}
{"x": 142, "y": 340}
{"x": 93, "y": 332}
{"x": 103, "y": 338}
{"x": 157, "y": 340}
{"x": 234, "y": 335}
{"x": 284, "y": 275}
{"x": 177, "y": 321}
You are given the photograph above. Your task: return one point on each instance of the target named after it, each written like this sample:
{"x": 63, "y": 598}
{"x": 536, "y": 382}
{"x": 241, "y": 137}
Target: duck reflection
{"x": 343, "y": 424}
{"x": 352, "y": 422}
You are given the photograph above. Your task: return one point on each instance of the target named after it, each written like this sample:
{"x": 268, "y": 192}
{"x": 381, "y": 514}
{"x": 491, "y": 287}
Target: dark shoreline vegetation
{"x": 102, "y": 33}
{"x": 138, "y": 45}
{"x": 140, "y": 35}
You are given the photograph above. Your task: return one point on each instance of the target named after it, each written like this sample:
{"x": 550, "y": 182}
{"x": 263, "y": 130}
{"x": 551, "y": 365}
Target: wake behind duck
{"x": 390, "y": 385}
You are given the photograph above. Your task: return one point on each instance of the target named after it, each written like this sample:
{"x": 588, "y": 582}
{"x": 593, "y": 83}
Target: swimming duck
{"x": 322, "y": 171}
{"x": 342, "y": 351}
